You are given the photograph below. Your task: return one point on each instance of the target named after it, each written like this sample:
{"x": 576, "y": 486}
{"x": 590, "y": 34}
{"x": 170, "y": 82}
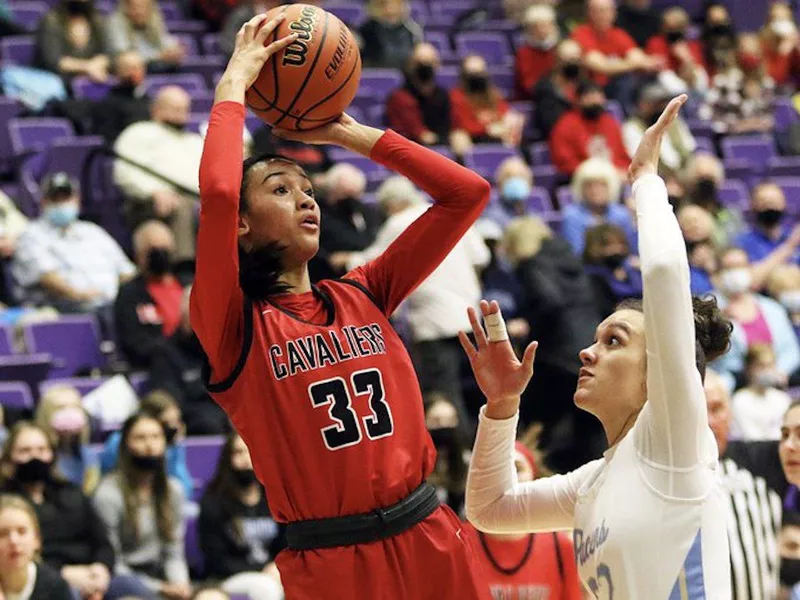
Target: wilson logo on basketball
{"x": 295, "y": 54}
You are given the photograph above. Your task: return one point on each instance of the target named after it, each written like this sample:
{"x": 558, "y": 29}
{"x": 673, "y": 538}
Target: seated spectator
{"x": 61, "y": 415}
{"x": 536, "y": 54}
{"x": 784, "y": 286}
{"x": 587, "y": 131}
{"x": 771, "y": 229}
{"x": 555, "y": 94}
{"x": 614, "y": 274}
{"x": 61, "y": 261}
{"x": 514, "y": 182}
{"x": 162, "y": 145}
{"x": 238, "y": 537}
{"x": 610, "y": 53}
{"x": 22, "y": 575}
{"x": 479, "y": 111}
{"x": 125, "y": 103}
{"x": 160, "y": 406}
{"x": 683, "y": 64}
{"x": 12, "y": 224}
{"x": 678, "y": 144}
{"x": 142, "y": 509}
{"x": 779, "y": 43}
{"x": 528, "y": 565}
{"x": 241, "y": 14}
{"x": 138, "y": 25}
{"x": 389, "y": 35}
{"x": 756, "y": 320}
{"x": 595, "y": 199}
{"x": 420, "y": 110}
{"x": 74, "y": 540}
{"x": 499, "y": 282}
{"x": 697, "y": 226}
{"x": 718, "y": 36}
{"x": 639, "y": 19}
{"x": 448, "y": 435}
{"x": 213, "y": 12}
{"x": 789, "y": 550}
{"x": 759, "y": 407}
{"x": 702, "y": 179}
{"x": 70, "y": 41}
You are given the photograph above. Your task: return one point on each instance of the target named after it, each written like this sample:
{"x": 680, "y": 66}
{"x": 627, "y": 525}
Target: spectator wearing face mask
{"x": 615, "y": 275}
{"x": 697, "y": 226}
{"x": 162, "y": 145}
{"x": 514, "y": 182}
{"x": 770, "y": 231}
{"x": 450, "y": 472}
{"x": 64, "y": 262}
{"x": 640, "y": 19}
{"x": 789, "y": 550}
{"x": 779, "y": 43}
{"x": 759, "y": 407}
{"x": 536, "y": 55}
{"x": 717, "y": 36}
{"x": 595, "y": 193}
{"x": 61, "y": 415}
{"x": 756, "y": 320}
{"x": 556, "y": 91}
{"x": 420, "y": 109}
{"x": 587, "y": 131}
{"x": 74, "y": 540}
{"x": 389, "y": 35}
{"x": 125, "y": 103}
{"x": 783, "y": 284}
{"x": 683, "y": 63}
{"x": 702, "y": 178}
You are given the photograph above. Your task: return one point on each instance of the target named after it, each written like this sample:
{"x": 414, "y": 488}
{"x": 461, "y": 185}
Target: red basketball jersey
{"x": 327, "y": 400}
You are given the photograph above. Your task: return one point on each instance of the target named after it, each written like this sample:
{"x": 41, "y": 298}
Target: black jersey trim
{"x": 364, "y": 289}
{"x": 225, "y": 384}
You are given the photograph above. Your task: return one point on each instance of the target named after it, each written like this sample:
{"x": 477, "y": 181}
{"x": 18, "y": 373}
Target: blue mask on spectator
{"x": 514, "y": 190}
{"x": 62, "y": 214}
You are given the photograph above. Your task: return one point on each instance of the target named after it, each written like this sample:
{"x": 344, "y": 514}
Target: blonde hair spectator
{"x": 596, "y": 169}
{"x": 524, "y": 237}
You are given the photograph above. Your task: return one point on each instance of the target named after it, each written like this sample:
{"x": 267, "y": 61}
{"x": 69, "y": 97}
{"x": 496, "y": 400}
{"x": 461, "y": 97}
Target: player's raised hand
{"x": 501, "y": 376}
{"x": 645, "y": 160}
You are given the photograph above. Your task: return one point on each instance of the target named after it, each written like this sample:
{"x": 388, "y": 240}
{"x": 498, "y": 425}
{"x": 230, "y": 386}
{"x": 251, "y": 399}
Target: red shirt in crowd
{"x": 612, "y": 43}
{"x": 530, "y": 65}
{"x": 575, "y": 139}
{"x": 168, "y": 297}
{"x": 782, "y": 68}
{"x": 658, "y": 46}
{"x": 540, "y": 565}
{"x": 475, "y": 119}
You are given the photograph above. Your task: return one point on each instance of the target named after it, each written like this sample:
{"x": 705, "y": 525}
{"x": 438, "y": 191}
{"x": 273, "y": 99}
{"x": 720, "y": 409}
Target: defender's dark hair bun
{"x": 712, "y": 328}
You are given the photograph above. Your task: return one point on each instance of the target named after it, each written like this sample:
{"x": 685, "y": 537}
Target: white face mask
{"x": 783, "y": 28}
{"x": 735, "y": 281}
{"x": 790, "y": 300}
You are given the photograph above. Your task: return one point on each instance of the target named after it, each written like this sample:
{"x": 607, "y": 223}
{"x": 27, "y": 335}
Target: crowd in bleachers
{"x": 103, "y": 110}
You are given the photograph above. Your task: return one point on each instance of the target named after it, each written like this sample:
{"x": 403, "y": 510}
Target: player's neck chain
{"x": 508, "y": 570}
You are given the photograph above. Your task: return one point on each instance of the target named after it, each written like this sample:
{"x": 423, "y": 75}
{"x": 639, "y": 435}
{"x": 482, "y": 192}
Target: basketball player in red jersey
{"x": 313, "y": 377}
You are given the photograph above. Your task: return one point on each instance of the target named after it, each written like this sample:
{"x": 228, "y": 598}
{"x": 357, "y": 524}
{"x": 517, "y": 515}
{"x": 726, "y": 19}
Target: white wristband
{"x": 496, "y": 327}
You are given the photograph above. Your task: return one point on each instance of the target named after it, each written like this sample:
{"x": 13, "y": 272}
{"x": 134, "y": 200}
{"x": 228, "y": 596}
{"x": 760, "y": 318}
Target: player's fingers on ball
{"x": 279, "y": 45}
{"x": 466, "y": 344}
{"x": 268, "y": 27}
{"x": 477, "y": 328}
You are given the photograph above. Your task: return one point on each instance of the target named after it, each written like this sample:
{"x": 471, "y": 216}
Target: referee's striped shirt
{"x": 754, "y": 519}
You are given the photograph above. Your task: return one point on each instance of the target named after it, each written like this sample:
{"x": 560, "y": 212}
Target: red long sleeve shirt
{"x": 530, "y": 65}
{"x": 319, "y": 385}
{"x": 613, "y": 43}
{"x": 473, "y": 119}
{"x": 658, "y": 46}
{"x": 781, "y": 67}
{"x": 573, "y": 136}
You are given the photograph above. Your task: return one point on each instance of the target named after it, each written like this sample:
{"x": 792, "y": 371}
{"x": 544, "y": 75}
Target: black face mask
{"x": 33, "y": 471}
{"x": 443, "y": 437}
{"x": 147, "y": 463}
{"x": 77, "y": 7}
{"x": 692, "y": 246}
{"x": 244, "y": 477}
{"x": 615, "y": 261}
{"x": 705, "y": 191}
{"x": 673, "y": 37}
{"x": 424, "y": 73}
{"x": 592, "y": 111}
{"x": 159, "y": 262}
{"x": 350, "y": 204}
{"x": 571, "y": 70}
{"x": 719, "y": 30}
{"x": 769, "y": 218}
{"x": 170, "y": 433}
{"x": 790, "y": 571}
{"x": 477, "y": 84}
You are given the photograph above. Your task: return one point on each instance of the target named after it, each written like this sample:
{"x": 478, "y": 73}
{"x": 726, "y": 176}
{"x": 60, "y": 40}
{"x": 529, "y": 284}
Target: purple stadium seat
{"x": 376, "y": 115}
{"x": 739, "y": 168}
{"x": 444, "y": 151}
{"x": 140, "y": 382}
{"x": 351, "y": 13}
{"x": 9, "y": 109}
{"x": 447, "y": 13}
{"x": 205, "y": 66}
{"x": 700, "y": 127}
{"x": 170, "y": 11}
{"x": 564, "y": 196}
{"x": 6, "y": 344}
{"x": 84, "y": 385}
{"x": 420, "y": 13}
{"x": 747, "y": 16}
{"x": 756, "y": 149}
{"x": 791, "y": 189}
{"x": 17, "y": 395}
{"x": 187, "y": 26}
{"x": 448, "y": 76}
{"x": 705, "y": 144}
{"x": 380, "y": 82}
{"x": 18, "y": 50}
{"x": 784, "y": 166}
{"x": 196, "y": 121}
{"x": 202, "y": 455}
{"x": 503, "y": 78}
{"x": 37, "y": 134}
{"x": 72, "y": 340}
{"x": 615, "y": 108}
{"x": 210, "y": 43}
{"x": 30, "y": 368}
{"x": 358, "y": 114}
{"x": 189, "y": 43}
{"x": 441, "y": 41}
{"x": 28, "y": 14}
{"x": 191, "y": 545}
{"x": 540, "y": 154}
{"x": 493, "y": 47}
{"x": 202, "y": 102}
{"x": 191, "y": 82}
{"x": 734, "y": 193}
{"x": 84, "y": 88}
{"x": 539, "y": 201}
{"x": 785, "y": 113}
{"x": 546, "y": 176}
{"x": 484, "y": 159}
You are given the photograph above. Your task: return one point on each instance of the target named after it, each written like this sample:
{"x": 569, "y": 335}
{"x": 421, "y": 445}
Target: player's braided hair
{"x": 260, "y": 268}
{"x": 711, "y": 329}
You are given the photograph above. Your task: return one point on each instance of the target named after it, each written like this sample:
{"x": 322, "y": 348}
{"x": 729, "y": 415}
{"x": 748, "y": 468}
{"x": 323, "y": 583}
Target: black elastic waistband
{"x": 364, "y": 528}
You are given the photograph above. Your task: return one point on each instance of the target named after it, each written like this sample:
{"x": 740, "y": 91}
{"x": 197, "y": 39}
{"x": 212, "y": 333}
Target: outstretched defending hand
{"x": 645, "y": 160}
{"x": 499, "y": 373}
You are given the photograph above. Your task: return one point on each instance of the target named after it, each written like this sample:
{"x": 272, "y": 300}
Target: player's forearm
{"x": 361, "y": 139}
{"x": 230, "y": 88}
{"x": 502, "y": 408}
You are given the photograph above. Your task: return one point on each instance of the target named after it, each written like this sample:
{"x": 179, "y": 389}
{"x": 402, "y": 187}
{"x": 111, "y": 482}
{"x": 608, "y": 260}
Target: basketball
{"x": 313, "y": 80}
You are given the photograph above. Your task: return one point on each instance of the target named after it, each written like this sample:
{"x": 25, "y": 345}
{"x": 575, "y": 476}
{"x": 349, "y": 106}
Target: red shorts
{"x": 434, "y": 560}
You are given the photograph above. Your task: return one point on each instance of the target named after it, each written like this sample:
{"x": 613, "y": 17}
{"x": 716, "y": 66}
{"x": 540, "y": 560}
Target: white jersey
{"x": 649, "y": 518}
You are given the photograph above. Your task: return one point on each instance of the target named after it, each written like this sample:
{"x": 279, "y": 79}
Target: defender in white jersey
{"x": 649, "y": 517}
